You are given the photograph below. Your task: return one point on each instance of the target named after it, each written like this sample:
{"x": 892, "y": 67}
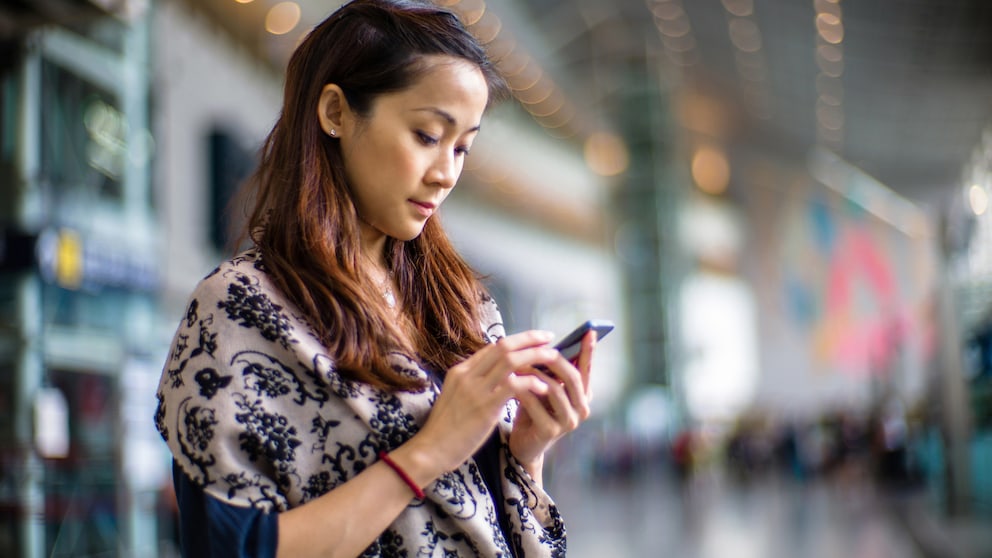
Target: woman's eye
{"x": 426, "y": 138}
{"x": 463, "y": 150}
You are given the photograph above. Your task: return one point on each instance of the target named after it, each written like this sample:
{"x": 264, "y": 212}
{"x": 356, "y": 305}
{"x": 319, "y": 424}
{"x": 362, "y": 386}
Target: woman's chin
{"x": 408, "y": 234}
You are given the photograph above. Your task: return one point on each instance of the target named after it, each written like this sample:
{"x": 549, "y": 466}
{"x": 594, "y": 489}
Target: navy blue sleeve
{"x": 209, "y": 528}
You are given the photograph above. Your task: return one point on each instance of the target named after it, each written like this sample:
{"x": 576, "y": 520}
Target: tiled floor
{"x": 651, "y": 515}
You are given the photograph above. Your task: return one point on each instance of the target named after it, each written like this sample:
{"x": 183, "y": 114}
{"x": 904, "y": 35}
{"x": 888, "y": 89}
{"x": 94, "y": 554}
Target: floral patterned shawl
{"x": 253, "y": 411}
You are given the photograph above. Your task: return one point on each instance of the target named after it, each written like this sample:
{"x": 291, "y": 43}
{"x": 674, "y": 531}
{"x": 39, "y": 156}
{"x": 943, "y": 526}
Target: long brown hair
{"x": 304, "y": 221}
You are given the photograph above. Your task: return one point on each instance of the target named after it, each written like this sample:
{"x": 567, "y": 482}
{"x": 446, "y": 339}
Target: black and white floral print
{"x": 253, "y": 410}
{"x": 250, "y": 307}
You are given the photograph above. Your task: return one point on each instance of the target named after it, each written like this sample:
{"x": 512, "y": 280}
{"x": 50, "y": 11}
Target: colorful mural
{"x": 846, "y": 281}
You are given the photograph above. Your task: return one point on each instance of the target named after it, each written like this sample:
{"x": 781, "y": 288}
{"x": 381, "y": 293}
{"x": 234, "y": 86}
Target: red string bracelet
{"x": 402, "y": 474}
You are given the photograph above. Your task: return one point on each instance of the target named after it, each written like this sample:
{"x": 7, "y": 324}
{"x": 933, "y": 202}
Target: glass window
{"x": 102, "y": 309}
{"x": 10, "y": 473}
{"x": 230, "y": 165}
{"x": 81, "y": 511}
{"x": 83, "y": 139}
{"x": 108, "y": 32}
{"x": 9, "y": 97}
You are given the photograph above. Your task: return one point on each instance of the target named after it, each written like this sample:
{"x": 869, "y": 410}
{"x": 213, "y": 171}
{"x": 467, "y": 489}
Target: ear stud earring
{"x": 334, "y": 133}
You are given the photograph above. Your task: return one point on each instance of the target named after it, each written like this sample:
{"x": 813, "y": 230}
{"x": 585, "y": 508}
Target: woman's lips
{"x": 424, "y": 208}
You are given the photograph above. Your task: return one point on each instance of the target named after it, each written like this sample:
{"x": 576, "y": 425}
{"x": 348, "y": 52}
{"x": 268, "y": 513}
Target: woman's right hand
{"x": 475, "y": 393}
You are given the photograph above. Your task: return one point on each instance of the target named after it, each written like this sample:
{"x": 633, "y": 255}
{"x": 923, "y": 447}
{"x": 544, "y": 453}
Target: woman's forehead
{"x": 449, "y": 88}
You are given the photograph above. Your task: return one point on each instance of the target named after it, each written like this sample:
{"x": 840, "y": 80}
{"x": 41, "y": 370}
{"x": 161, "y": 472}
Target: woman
{"x": 345, "y": 387}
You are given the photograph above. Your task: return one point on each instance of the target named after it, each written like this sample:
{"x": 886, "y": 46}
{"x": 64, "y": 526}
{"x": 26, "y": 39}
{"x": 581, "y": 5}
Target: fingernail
{"x": 549, "y": 335}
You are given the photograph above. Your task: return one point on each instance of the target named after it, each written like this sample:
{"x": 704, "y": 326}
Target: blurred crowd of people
{"x": 838, "y": 443}
{"x": 873, "y": 446}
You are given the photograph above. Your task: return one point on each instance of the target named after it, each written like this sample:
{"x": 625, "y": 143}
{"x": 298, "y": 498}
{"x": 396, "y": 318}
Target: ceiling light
{"x": 514, "y": 64}
{"x": 978, "y": 199}
{"x": 559, "y": 119}
{"x": 701, "y": 113}
{"x": 739, "y": 8}
{"x": 499, "y": 50}
{"x": 751, "y": 66}
{"x": 667, "y": 11}
{"x": 472, "y": 14}
{"x": 830, "y": 117}
{"x": 488, "y": 28}
{"x": 674, "y": 27}
{"x": 710, "y": 170}
{"x": 830, "y": 53}
{"x": 536, "y": 94}
{"x": 683, "y": 59}
{"x": 828, "y": 100}
{"x": 606, "y": 154}
{"x": 684, "y": 43}
{"x": 550, "y": 105}
{"x": 282, "y": 18}
{"x": 829, "y": 85}
{"x": 830, "y": 28}
{"x": 827, "y": 7}
{"x": 832, "y": 68}
{"x": 745, "y": 35}
{"x": 525, "y": 80}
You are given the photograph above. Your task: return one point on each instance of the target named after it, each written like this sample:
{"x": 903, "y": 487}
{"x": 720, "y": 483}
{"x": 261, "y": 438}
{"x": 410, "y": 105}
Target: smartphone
{"x": 570, "y": 346}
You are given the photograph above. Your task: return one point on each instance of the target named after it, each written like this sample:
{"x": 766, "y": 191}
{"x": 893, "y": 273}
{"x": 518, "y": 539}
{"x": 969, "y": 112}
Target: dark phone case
{"x": 569, "y": 346}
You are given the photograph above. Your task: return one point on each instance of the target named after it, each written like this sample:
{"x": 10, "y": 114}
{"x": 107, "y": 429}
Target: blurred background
{"x": 783, "y": 204}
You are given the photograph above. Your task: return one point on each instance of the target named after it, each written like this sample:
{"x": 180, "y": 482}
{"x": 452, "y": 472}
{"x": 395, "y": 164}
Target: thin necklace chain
{"x": 385, "y": 286}
{"x": 387, "y": 291}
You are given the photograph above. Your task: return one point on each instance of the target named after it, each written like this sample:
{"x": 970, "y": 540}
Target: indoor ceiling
{"x": 899, "y": 88}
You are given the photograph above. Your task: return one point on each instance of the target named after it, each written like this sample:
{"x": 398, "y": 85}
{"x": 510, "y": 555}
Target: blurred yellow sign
{"x": 69, "y": 259}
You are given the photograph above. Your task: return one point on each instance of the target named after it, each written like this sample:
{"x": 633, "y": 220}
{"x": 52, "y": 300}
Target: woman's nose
{"x": 445, "y": 170}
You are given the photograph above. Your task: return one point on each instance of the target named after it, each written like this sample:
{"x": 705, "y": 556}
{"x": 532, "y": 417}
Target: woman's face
{"x": 404, "y": 159}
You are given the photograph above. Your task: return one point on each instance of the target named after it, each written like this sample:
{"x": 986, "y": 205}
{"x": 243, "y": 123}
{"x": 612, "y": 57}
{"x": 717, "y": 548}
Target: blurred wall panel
{"x": 844, "y": 295}
{"x": 204, "y": 81}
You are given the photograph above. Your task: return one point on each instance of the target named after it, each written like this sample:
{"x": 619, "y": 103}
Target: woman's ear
{"x": 332, "y": 110}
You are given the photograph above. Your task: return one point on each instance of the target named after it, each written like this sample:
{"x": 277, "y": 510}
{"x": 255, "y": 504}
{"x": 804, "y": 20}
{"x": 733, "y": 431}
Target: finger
{"x": 493, "y": 362}
{"x": 584, "y": 362}
{"x": 519, "y": 363}
{"x": 575, "y": 384}
{"x": 508, "y": 361}
{"x": 525, "y": 339}
{"x": 567, "y": 414}
{"x": 541, "y": 371}
{"x": 518, "y": 384}
{"x": 539, "y": 414}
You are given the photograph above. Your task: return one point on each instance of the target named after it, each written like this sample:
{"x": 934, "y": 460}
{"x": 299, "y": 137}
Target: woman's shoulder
{"x": 243, "y": 294}
{"x": 241, "y": 279}
{"x": 246, "y": 266}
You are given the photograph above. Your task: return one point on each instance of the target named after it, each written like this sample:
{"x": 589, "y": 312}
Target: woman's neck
{"x": 373, "y": 245}
{"x": 374, "y": 265}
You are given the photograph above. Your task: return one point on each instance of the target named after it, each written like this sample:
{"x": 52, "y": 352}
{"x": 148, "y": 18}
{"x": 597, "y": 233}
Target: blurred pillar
{"x": 646, "y": 205}
{"x": 27, "y": 382}
{"x": 955, "y": 406}
{"x": 25, "y": 289}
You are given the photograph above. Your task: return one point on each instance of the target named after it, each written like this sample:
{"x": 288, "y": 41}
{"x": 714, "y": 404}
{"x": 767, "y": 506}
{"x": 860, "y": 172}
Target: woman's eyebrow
{"x": 447, "y": 117}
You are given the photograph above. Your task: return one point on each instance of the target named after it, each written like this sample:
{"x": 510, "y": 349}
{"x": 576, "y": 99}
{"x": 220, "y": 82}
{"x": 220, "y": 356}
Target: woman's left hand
{"x": 543, "y": 419}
